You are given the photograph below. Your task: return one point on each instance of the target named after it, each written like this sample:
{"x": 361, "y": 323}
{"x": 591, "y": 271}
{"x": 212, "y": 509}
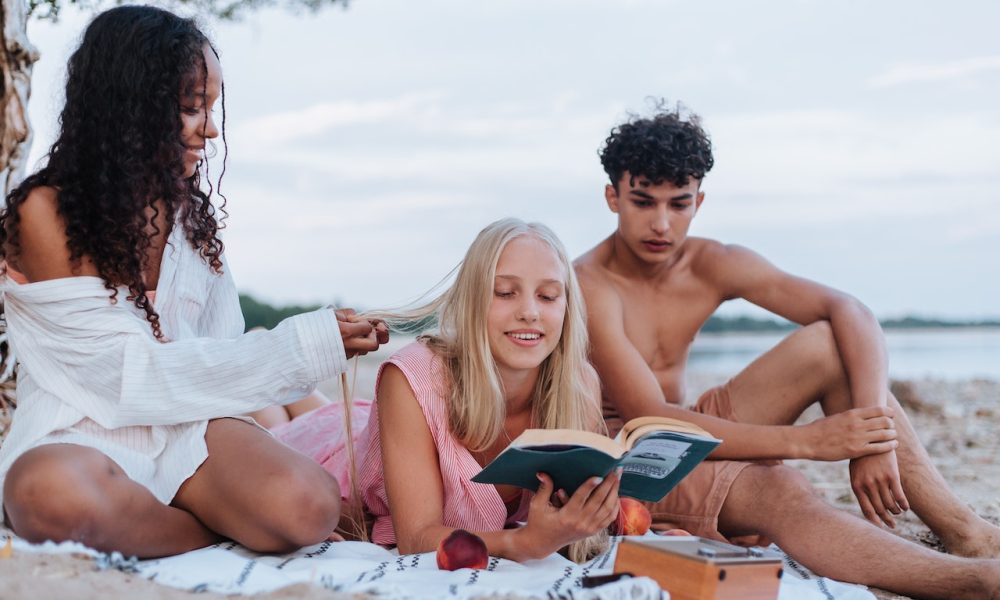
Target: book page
{"x": 655, "y": 457}
{"x": 636, "y": 429}
{"x": 541, "y": 438}
{"x": 665, "y": 423}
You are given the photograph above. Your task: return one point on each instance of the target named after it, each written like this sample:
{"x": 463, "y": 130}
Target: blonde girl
{"x": 510, "y": 353}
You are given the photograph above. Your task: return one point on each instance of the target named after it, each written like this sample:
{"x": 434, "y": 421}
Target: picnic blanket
{"x": 358, "y": 567}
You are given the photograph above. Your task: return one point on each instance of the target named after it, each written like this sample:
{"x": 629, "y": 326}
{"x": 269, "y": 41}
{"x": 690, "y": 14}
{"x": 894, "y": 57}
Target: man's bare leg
{"x": 806, "y": 368}
{"x": 67, "y": 492}
{"x": 251, "y": 489}
{"x": 778, "y": 502}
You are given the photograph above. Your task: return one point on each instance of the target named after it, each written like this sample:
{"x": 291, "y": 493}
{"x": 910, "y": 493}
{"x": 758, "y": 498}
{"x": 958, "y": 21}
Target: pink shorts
{"x": 695, "y": 504}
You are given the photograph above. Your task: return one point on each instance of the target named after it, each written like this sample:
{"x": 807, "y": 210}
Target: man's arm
{"x": 631, "y": 385}
{"x": 858, "y": 337}
{"x": 742, "y": 273}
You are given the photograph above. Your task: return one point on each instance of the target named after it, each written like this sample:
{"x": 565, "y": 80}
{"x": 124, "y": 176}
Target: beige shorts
{"x": 694, "y": 505}
{"x": 136, "y": 467}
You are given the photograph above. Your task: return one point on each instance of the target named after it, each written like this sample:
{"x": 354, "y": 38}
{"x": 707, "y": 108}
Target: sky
{"x": 857, "y": 143}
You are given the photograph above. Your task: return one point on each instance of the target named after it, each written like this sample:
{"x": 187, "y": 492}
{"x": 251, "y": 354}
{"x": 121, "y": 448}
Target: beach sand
{"x": 957, "y": 422}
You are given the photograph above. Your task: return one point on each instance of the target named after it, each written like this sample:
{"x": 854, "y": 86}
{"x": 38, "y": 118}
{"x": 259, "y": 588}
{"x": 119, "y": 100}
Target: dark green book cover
{"x": 655, "y": 464}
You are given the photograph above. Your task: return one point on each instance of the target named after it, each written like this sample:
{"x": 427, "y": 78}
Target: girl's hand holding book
{"x": 555, "y": 520}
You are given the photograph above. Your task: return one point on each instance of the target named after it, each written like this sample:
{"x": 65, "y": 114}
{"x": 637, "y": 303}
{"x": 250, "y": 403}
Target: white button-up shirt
{"x": 92, "y": 373}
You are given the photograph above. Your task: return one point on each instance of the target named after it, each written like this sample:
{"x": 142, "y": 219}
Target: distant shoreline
{"x": 743, "y": 324}
{"x": 261, "y": 314}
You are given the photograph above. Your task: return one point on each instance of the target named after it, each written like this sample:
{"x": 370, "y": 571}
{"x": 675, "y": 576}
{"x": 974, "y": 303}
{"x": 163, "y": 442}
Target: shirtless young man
{"x": 649, "y": 288}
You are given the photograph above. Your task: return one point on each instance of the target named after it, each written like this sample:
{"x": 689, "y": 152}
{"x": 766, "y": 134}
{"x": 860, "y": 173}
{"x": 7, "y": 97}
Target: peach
{"x": 633, "y": 517}
{"x": 462, "y": 550}
{"x": 678, "y": 532}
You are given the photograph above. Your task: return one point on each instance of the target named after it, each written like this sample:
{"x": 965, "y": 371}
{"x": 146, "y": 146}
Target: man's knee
{"x": 49, "y": 495}
{"x": 821, "y": 348}
{"x": 821, "y": 340}
{"x": 776, "y": 488}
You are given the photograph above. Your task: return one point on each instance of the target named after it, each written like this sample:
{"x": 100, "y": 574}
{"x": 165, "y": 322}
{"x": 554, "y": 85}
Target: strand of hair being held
{"x": 354, "y": 514}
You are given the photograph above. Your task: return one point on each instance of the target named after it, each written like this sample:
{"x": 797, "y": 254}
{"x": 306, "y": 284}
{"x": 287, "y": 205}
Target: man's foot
{"x": 992, "y": 581}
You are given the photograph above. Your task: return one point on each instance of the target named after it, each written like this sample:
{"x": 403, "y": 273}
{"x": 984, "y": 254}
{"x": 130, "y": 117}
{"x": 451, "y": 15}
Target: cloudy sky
{"x": 857, "y": 143}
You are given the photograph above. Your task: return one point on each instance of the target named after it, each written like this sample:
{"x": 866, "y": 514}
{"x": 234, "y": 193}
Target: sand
{"x": 957, "y": 422}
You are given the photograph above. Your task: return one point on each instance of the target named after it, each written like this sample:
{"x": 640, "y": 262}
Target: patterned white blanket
{"x": 358, "y": 567}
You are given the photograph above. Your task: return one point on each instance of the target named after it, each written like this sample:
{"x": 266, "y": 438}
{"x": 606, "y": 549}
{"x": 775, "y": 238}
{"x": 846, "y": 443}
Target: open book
{"x": 655, "y": 453}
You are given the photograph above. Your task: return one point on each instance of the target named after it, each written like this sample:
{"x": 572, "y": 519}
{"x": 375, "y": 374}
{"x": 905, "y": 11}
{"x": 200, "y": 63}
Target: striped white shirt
{"x": 92, "y": 373}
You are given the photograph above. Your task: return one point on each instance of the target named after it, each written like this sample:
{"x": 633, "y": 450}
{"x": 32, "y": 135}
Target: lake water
{"x": 939, "y": 353}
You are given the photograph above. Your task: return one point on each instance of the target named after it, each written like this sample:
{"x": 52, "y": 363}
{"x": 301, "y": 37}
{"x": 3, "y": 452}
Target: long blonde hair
{"x": 566, "y": 391}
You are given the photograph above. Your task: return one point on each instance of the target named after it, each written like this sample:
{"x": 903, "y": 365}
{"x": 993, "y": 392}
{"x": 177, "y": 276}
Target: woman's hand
{"x": 851, "y": 434}
{"x": 360, "y": 335}
{"x": 592, "y": 508}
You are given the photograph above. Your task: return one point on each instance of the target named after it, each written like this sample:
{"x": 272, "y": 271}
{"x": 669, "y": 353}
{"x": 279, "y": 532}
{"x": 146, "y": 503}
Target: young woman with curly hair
{"x": 127, "y": 323}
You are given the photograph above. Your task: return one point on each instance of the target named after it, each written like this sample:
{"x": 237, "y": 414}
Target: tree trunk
{"x": 18, "y": 57}
{"x": 15, "y": 141}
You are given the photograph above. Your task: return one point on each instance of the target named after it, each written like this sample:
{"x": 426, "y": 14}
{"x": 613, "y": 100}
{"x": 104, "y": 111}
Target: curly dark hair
{"x": 119, "y": 154}
{"x": 669, "y": 146}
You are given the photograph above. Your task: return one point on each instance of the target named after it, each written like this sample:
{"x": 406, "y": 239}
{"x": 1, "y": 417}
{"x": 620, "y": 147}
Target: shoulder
{"x": 735, "y": 271}
{"x": 42, "y": 251}
{"x": 39, "y": 213}
{"x": 410, "y": 378}
{"x": 418, "y": 364}
{"x": 712, "y": 257}
{"x": 593, "y": 263}
{"x": 416, "y": 354}
{"x": 595, "y": 278}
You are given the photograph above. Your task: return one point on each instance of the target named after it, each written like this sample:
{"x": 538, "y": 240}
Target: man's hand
{"x": 875, "y": 481}
{"x": 361, "y": 335}
{"x": 851, "y": 434}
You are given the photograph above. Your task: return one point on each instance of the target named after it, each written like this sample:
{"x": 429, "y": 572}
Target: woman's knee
{"x": 49, "y": 494}
{"x": 307, "y": 504}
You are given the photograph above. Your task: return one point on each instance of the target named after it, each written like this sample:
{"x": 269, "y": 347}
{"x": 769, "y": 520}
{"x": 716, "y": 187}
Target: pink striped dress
{"x": 467, "y": 505}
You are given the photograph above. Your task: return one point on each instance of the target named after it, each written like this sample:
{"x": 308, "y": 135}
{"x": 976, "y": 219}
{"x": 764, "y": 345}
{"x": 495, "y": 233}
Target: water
{"x": 950, "y": 354}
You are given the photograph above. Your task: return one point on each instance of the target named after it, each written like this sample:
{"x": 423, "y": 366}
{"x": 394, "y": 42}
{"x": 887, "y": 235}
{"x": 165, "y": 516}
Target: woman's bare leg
{"x": 311, "y": 402}
{"x": 259, "y": 492}
{"x": 251, "y": 489}
{"x": 271, "y": 416}
{"x": 65, "y": 492}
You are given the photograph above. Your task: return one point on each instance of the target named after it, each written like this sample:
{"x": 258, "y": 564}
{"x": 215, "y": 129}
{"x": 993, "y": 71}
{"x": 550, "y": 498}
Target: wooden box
{"x": 693, "y": 568}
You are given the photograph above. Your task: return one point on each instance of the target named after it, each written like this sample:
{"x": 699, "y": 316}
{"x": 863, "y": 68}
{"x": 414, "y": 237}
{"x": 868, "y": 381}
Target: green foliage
{"x": 229, "y": 10}
{"x": 717, "y": 324}
{"x": 260, "y": 314}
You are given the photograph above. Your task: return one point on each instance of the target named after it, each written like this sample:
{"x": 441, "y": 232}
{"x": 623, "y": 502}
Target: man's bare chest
{"x": 662, "y": 323}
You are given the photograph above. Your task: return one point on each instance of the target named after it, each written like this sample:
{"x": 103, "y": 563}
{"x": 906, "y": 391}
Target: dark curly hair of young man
{"x": 669, "y": 146}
